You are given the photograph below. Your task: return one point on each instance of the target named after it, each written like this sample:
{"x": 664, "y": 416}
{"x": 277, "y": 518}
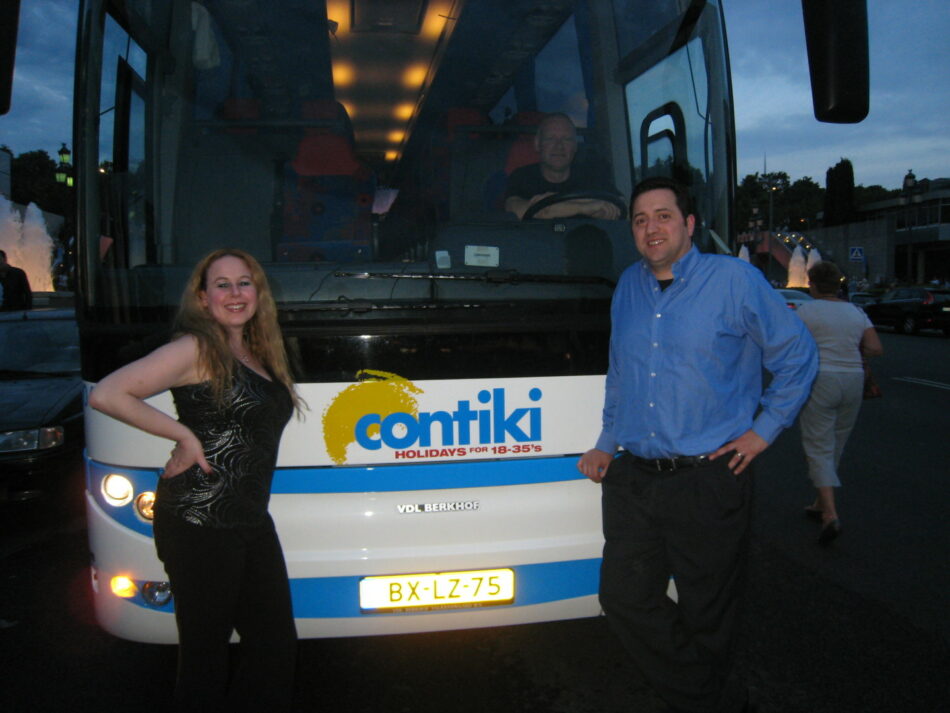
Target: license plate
{"x": 442, "y": 590}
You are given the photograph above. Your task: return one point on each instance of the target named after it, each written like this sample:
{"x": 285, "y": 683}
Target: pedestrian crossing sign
{"x": 856, "y": 254}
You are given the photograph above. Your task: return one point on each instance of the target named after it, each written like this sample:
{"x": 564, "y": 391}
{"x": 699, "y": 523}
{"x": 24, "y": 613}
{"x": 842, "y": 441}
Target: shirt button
{"x": 652, "y": 373}
{"x": 652, "y": 435}
{"x": 655, "y": 345}
{"x": 658, "y": 315}
{"x": 651, "y": 404}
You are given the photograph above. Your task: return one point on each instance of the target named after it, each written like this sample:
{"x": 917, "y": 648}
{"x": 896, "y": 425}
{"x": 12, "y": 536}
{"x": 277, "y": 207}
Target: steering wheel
{"x": 606, "y": 196}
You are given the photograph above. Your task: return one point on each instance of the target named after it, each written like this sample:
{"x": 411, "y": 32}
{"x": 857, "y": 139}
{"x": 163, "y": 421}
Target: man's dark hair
{"x": 3, "y": 254}
{"x": 826, "y": 278}
{"x": 683, "y": 200}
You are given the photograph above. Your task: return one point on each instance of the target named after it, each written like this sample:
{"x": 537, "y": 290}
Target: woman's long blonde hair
{"x": 261, "y": 333}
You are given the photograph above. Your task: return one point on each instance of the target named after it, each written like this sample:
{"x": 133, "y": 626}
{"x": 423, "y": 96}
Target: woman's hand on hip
{"x": 187, "y": 452}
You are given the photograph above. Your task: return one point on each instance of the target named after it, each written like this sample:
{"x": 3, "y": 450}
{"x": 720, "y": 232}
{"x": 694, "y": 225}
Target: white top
{"x": 837, "y": 328}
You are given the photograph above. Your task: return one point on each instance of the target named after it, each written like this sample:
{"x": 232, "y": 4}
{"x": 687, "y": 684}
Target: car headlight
{"x": 31, "y": 439}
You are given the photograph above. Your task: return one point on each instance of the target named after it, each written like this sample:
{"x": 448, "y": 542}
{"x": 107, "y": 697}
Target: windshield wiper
{"x": 507, "y": 277}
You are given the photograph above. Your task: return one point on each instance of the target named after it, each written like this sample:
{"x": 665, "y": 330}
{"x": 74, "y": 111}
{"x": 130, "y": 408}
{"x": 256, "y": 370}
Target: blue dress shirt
{"x": 686, "y": 363}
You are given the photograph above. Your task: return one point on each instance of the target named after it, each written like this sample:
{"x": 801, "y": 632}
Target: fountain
{"x": 814, "y": 257}
{"x": 27, "y": 243}
{"x": 797, "y": 276}
{"x": 744, "y": 253}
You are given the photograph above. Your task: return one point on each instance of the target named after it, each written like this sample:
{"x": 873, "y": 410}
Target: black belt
{"x": 674, "y": 463}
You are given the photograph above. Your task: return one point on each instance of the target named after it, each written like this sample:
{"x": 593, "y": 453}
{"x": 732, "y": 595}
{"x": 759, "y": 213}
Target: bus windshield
{"x": 365, "y": 152}
{"x": 437, "y": 191}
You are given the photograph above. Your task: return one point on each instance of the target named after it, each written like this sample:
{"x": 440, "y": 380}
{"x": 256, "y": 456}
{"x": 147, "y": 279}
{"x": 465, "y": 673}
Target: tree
{"x": 33, "y": 177}
{"x": 749, "y": 195}
{"x": 872, "y": 194}
{"x": 752, "y": 200}
{"x": 839, "y": 193}
{"x": 804, "y": 200}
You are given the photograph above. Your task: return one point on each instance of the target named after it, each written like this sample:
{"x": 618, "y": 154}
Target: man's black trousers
{"x": 691, "y": 524}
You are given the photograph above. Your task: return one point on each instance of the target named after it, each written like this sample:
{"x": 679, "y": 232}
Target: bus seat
{"x": 520, "y": 152}
{"x": 225, "y": 187}
{"x": 237, "y": 108}
{"x": 327, "y": 147}
{"x": 328, "y": 192}
{"x": 426, "y": 195}
{"x": 443, "y": 181}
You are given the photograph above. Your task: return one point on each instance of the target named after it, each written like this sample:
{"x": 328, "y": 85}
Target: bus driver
{"x": 556, "y": 143}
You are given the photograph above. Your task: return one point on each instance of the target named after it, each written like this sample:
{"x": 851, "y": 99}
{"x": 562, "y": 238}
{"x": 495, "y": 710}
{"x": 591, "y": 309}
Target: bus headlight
{"x": 117, "y": 490}
{"x": 157, "y": 594}
{"x": 123, "y": 586}
{"x": 144, "y": 504}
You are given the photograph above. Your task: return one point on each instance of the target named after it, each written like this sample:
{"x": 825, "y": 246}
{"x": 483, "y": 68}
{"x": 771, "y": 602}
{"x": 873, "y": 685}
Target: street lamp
{"x": 63, "y": 171}
{"x": 769, "y": 183}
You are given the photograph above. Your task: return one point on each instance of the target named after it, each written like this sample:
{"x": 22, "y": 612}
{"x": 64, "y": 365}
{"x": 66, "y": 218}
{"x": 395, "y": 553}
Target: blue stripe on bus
{"x": 355, "y": 479}
{"x": 339, "y": 598}
{"x": 425, "y": 476}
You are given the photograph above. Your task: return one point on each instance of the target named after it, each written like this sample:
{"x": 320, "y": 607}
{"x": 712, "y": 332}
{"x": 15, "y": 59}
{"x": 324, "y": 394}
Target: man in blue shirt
{"x": 684, "y": 398}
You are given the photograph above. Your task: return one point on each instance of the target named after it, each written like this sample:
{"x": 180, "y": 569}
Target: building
{"x": 918, "y": 225}
{"x": 905, "y": 239}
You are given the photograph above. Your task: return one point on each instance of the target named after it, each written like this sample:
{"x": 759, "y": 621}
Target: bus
{"x": 452, "y": 356}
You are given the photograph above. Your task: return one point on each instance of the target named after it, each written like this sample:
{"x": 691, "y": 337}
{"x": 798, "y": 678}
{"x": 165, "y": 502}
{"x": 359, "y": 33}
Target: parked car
{"x": 861, "y": 298}
{"x": 910, "y": 309}
{"x": 41, "y": 409}
{"x": 794, "y": 298}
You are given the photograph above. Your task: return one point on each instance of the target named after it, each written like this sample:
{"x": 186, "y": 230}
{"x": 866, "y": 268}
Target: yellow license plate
{"x": 443, "y": 590}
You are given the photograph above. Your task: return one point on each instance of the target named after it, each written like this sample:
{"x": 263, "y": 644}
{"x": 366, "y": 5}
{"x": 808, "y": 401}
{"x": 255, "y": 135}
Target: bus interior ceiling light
{"x": 388, "y": 16}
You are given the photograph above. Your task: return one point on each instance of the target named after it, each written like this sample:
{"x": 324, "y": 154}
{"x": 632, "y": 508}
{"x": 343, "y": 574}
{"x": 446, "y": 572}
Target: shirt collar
{"x": 682, "y": 267}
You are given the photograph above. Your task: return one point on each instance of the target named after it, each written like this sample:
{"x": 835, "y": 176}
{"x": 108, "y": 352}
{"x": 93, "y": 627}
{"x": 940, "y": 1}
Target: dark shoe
{"x": 829, "y": 533}
{"x": 813, "y": 513}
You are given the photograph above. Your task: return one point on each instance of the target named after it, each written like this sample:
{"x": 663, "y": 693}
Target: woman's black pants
{"x": 225, "y": 580}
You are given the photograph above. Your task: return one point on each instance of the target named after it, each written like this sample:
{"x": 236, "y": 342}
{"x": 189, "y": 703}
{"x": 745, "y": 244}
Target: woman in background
{"x": 227, "y": 370}
{"x": 843, "y": 334}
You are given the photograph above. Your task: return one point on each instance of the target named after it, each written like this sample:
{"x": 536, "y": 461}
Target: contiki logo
{"x": 381, "y": 410}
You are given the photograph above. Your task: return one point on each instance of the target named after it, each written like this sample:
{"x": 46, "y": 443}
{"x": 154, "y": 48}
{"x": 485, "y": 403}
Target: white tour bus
{"x": 452, "y": 356}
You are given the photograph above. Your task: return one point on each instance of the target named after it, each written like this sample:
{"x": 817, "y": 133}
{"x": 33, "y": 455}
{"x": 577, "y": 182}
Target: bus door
{"x": 679, "y": 107}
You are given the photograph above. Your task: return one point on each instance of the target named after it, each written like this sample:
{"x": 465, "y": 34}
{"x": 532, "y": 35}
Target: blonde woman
{"x": 227, "y": 370}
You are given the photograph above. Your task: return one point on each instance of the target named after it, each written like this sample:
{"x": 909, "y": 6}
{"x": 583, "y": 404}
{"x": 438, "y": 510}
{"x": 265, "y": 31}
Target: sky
{"x": 908, "y": 126}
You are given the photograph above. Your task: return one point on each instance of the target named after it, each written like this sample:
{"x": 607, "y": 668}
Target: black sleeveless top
{"x": 240, "y": 444}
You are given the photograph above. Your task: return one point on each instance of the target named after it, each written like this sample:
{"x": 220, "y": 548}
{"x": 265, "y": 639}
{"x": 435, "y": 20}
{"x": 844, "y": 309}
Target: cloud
{"x": 41, "y": 113}
{"x": 769, "y": 98}
{"x": 910, "y": 102}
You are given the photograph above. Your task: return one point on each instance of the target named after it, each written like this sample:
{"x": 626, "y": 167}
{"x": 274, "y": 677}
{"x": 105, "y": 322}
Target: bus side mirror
{"x": 836, "y": 33}
{"x": 9, "y": 20}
